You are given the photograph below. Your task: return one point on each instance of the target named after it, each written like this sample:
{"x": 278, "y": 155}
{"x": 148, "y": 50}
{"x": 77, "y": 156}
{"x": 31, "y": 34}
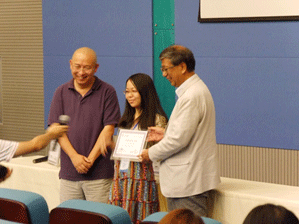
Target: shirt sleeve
{"x": 112, "y": 110}
{"x": 160, "y": 121}
{"x": 56, "y": 108}
{"x": 7, "y": 150}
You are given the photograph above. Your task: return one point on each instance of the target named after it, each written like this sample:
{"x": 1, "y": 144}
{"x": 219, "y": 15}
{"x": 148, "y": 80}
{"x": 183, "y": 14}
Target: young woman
{"x": 135, "y": 190}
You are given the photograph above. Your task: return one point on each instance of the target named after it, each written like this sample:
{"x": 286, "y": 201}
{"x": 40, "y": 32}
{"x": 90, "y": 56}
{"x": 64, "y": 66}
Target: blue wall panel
{"x": 252, "y": 70}
{"x": 119, "y": 31}
{"x": 117, "y": 28}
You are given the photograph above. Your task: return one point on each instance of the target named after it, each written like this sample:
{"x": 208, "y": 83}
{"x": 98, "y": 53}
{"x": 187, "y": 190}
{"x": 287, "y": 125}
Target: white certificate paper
{"x": 129, "y": 144}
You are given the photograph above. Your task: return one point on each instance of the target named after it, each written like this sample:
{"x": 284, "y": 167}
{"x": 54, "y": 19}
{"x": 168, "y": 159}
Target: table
{"x": 41, "y": 178}
{"x": 235, "y": 198}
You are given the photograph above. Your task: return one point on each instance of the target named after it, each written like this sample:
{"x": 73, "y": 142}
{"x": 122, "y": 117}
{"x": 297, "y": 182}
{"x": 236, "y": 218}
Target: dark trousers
{"x": 196, "y": 203}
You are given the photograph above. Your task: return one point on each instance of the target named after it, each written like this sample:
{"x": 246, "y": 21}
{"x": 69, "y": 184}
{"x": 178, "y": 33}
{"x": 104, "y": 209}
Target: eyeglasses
{"x": 86, "y": 68}
{"x": 126, "y": 92}
{"x": 166, "y": 69}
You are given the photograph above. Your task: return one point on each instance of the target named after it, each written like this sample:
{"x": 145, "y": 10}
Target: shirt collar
{"x": 185, "y": 85}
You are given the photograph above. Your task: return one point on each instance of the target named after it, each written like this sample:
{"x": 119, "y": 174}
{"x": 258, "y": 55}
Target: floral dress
{"x": 135, "y": 190}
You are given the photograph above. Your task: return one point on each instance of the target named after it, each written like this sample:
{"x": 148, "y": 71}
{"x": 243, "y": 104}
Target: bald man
{"x": 86, "y": 169}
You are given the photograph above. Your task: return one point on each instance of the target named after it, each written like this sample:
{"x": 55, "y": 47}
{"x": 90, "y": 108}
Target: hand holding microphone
{"x": 63, "y": 120}
{"x": 55, "y": 131}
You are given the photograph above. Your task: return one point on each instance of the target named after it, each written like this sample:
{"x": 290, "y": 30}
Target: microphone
{"x": 39, "y": 160}
{"x": 63, "y": 120}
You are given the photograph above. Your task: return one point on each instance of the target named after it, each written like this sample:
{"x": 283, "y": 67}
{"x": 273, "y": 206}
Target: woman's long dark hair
{"x": 150, "y": 103}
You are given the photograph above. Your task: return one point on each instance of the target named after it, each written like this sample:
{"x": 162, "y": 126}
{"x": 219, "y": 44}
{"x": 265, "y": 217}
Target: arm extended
{"x": 41, "y": 141}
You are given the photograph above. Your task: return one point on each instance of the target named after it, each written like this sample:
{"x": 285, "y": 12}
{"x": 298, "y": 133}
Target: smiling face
{"x": 171, "y": 72}
{"x": 132, "y": 95}
{"x": 83, "y": 66}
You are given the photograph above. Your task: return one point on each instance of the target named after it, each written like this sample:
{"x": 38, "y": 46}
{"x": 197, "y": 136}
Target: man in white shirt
{"x": 187, "y": 150}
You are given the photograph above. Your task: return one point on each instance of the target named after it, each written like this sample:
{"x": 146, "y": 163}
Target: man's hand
{"x": 155, "y": 134}
{"x": 81, "y": 163}
{"x": 103, "y": 143}
{"x": 56, "y": 130}
{"x": 144, "y": 157}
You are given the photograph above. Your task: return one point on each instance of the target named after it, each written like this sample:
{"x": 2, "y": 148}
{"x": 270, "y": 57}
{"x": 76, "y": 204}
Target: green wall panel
{"x": 163, "y": 36}
{"x": 163, "y": 14}
{"x": 166, "y": 92}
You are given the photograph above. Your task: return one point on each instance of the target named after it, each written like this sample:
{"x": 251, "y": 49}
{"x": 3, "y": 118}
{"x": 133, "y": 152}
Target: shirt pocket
{"x": 177, "y": 161}
{"x": 175, "y": 176}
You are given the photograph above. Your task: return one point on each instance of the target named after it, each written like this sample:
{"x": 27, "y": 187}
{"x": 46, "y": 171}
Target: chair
{"x": 209, "y": 220}
{"x": 23, "y": 207}
{"x": 81, "y": 211}
{"x": 154, "y": 218}
{"x": 2, "y": 221}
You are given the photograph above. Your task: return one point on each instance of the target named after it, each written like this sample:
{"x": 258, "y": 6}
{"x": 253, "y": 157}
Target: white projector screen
{"x": 247, "y": 10}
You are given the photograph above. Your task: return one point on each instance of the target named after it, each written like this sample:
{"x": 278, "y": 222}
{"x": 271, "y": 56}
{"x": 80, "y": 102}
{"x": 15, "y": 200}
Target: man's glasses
{"x": 86, "y": 68}
{"x": 166, "y": 69}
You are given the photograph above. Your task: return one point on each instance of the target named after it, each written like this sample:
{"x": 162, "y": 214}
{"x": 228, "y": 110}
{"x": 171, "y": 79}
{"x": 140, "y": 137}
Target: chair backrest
{"x": 23, "y": 207}
{"x": 81, "y": 211}
{"x": 210, "y": 221}
{"x": 2, "y": 221}
{"x": 154, "y": 218}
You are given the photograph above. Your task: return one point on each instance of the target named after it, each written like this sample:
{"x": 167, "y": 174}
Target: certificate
{"x": 129, "y": 144}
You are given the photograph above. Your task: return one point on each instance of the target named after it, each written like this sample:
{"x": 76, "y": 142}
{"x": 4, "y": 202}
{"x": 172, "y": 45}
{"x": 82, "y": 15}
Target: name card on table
{"x": 54, "y": 153}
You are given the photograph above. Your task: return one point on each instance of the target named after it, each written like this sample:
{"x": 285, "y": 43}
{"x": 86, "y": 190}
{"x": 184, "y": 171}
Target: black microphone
{"x": 63, "y": 120}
